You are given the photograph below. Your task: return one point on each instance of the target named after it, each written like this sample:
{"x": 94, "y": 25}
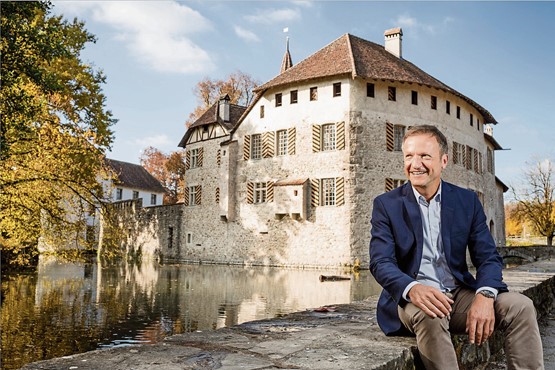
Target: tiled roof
{"x": 211, "y": 116}
{"x": 134, "y": 176}
{"x": 351, "y": 55}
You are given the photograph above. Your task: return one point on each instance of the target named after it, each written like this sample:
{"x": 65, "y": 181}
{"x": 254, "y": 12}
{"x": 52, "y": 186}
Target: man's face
{"x": 423, "y": 163}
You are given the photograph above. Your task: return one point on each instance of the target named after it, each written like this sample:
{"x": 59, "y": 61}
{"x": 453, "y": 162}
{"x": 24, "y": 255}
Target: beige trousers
{"x": 515, "y": 317}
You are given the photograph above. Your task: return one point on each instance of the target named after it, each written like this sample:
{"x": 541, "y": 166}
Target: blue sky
{"x": 501, "y": 54}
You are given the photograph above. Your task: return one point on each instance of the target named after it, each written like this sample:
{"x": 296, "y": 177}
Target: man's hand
{"x": 430, "y": 300}
{"x": 480, "y": 319}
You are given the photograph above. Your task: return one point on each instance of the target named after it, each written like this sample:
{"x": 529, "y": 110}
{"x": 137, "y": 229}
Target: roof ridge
{"x": 351, "y": 55}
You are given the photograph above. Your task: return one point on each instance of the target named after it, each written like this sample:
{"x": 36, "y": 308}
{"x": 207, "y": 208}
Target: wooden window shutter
{"x": 250, "y": 193}
{"x": 200, "y": 156}
{"x": 468, "y": 159}
{"x": 291, "y": 141}
{"x": 269, "y": 191}
{"x": 480, "y": 163}
{"x": 217, "y": 195}
{"x": 340, "y": 136}
{"x": 388, "y": 184}
{"x": 389, "y": 137}
{"x": 316, "y": 138}
{"x": 198, "y": 195}
{"x": 187, "y": 160}
{"x": 219, "y": 157}
{"x": 268, "y": 144}
{"x": 455, "y": 153}
{"x": 247, "y": 147}
{"x": 339, "y": 191}
{"x": 186, "y": 196}
{"x": 315, "y": 192}
{"x": 475, "y": 152}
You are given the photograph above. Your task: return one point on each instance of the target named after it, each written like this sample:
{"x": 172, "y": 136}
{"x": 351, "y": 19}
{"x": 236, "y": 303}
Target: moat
{"x": 71, "y": 307}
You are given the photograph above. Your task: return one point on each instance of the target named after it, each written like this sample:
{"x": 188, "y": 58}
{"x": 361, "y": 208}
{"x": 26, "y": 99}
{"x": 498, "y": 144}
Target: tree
{"x": 55, "y": 127}
{"x": 238, "y": 86}
{"x": 536, "y": 198}
{"x": 169, "y": 169}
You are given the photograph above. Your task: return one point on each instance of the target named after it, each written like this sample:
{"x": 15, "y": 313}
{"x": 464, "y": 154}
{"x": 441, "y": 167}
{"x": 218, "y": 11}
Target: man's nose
{"x": 416, "y": 162}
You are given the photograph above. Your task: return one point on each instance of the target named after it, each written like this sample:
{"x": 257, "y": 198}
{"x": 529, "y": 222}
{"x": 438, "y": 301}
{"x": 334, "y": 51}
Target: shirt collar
{"x": 421, "y": 198}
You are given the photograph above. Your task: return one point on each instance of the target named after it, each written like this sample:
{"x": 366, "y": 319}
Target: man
{"x": 420, "y": 234}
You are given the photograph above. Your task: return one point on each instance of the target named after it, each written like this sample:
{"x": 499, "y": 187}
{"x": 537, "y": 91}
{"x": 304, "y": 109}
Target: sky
{"x": 499, "y": 53}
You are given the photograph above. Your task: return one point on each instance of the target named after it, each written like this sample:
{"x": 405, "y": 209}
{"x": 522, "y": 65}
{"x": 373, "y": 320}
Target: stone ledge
{"x": 348, "y": 337}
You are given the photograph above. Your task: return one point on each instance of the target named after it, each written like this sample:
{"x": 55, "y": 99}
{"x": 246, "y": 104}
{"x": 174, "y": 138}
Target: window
{"x": 256, "y": 146}
{"x": 433, "y": 102}
{"x": 370, "y": 90}
{"x": 448, "y": 107}
{"x": 414, "y": 98}
{"x": 313, "y": 93}
{"x": 458, "y": 112}
{"x": 194, "y": 162}
{"x": 478, "y": 124}
{"x": 259, "y": 192}
{"x": 328, "y": 137}
{"x": 261, "y": 111}
{"x": 152, "y": 199}
{"x": 398, "y": 134}
{"x": 192, "y": 195}
{"x": 337, "y": 89}
{"x": 471, "y": 119}
{"x": 282, "y": 142}
{"x": 294, "y": 96}
{"x": 119, "y": 194}
{"x": 189, "y": 238}
{"x": 458, "y": 153}
{"x": 135, "y": 194}
{"x": 278, "y": 100}
{"x": 328, "y": 192}
{"x": 391, "y": 93}
{"x": 489, "y": 158}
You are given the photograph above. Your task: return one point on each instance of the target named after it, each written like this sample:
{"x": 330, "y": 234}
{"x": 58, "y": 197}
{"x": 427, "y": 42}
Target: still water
{"x": 65, "y": 308}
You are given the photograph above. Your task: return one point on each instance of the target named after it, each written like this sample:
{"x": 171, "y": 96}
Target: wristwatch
{"x": 487, "y": 293}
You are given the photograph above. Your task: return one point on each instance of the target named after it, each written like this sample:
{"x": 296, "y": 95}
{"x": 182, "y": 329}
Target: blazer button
{"x": 415, "y": 274}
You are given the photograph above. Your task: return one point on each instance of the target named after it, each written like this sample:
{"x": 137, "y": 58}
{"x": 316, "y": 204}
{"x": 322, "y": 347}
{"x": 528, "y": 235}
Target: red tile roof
{"x": 134, "y": 176}
{"x": 211, "y": 116}
{"x": 356, "y": 57}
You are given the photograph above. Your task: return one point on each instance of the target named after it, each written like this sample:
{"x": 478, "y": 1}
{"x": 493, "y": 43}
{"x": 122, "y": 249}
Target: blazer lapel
{"x": 447, "y": 212}
{"x": 413, "y": 218}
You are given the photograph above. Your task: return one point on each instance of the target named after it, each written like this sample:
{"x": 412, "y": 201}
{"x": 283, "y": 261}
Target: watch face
{"x": 487, "y": 293}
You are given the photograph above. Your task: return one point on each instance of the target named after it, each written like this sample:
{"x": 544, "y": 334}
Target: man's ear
{"x": 444, "y": 160}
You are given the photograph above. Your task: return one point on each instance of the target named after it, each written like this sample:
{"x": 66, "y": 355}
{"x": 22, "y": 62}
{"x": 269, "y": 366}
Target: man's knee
{"x": 510, "y": 306}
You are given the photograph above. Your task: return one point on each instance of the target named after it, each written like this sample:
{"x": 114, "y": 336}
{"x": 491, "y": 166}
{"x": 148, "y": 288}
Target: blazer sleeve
{"x": 483, "y": 252}
{"x": 384, "y": 265}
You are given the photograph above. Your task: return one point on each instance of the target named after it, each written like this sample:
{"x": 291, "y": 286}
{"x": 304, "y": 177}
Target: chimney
{"x": 223, "y": 108}
{"x": 393, "y": 41}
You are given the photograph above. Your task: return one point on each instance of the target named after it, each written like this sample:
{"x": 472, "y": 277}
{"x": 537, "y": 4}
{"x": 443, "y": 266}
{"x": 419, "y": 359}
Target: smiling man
{"x": 420, "y": 235}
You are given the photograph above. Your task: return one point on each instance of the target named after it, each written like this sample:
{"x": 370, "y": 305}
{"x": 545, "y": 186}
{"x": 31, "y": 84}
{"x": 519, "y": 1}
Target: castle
{"x": 290, "y": 180}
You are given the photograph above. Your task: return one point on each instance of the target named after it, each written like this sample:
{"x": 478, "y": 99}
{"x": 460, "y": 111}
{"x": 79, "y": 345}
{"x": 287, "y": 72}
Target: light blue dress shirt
{"x": 434, "y": 270}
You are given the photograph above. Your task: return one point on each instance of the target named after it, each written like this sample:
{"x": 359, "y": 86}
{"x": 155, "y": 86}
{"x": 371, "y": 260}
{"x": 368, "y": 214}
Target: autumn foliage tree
{"x": 535, "y": 198}
{"x": 169, "y": 169}
{"x": 238, "y": 86}
{"x": 54, "y": 129}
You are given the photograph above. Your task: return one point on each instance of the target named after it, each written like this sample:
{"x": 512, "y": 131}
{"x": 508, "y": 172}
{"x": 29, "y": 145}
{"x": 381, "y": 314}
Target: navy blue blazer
{"x": 397, "y": 242}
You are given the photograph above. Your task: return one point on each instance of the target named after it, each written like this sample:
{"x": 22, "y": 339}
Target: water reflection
{"x": 67, "y": 308}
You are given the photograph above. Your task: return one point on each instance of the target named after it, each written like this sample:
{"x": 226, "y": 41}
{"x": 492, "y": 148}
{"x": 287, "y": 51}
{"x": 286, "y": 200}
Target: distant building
{"x": 290, "y": 180}
{"x": 132, "y": 181}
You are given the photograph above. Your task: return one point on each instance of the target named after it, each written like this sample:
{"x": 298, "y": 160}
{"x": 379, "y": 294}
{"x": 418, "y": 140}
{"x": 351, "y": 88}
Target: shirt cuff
{"x": 406, "y": 291}
{"x": 490, "y": 289}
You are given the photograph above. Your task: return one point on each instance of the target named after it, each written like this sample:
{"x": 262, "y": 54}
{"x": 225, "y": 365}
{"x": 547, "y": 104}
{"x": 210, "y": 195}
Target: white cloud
{"x": 415, "y": 26}
{"x": 246, "y": 35}
{"x": 157, "y": 141}
{"x": 272, "y": 16}
{"x": 157, "y": 33}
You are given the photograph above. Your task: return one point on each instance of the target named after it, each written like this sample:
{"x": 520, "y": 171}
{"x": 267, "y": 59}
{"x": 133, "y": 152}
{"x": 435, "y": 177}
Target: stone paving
{"x": 346, "y": 337}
